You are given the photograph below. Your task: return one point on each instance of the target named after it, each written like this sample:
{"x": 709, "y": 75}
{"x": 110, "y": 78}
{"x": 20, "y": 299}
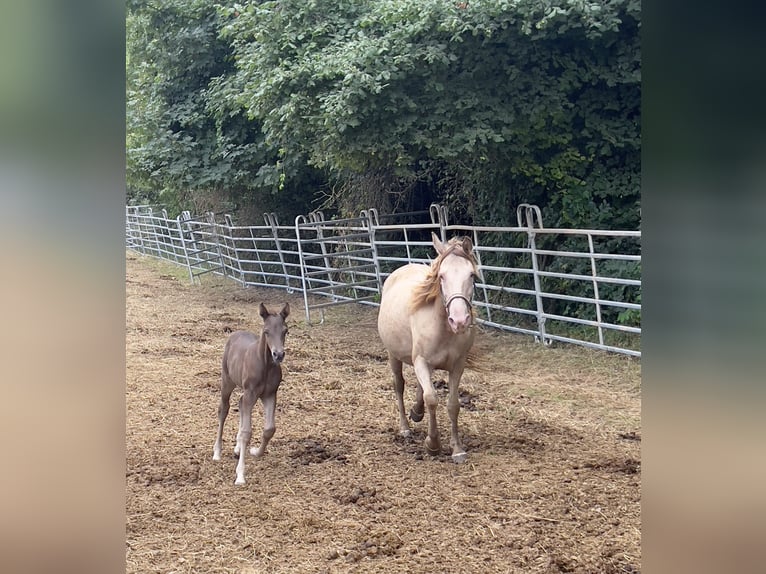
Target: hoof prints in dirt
{"x": 356, "y": 495}
{"x": 377, "y": 545}
{"x": 148, "y": 475}
{"x": 365, "y": 498}
{"x": 632, "y": 435}
{"x": 311, "y": 451}
{"x": 627, "y": 466}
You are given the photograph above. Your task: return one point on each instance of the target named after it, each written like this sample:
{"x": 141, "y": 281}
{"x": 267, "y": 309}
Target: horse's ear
{"x": 438, "y": 245}
{"x": 285, "y": 310}
{"x": 263, "y": 311}
{"x": 467, "y": 245}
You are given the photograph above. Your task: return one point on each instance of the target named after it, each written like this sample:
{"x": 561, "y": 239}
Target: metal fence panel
{"x": 571, "y": 285}
{"x": 338, "y": 261}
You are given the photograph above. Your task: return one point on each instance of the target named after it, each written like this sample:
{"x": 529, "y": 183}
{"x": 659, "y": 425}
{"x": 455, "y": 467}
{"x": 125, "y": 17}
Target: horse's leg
{"x": 396, "y": 369}
{"x": 269, "y": 425}
{"x": 227, "y": 386}
{"x": 453, "y": 407}
{"x": 246, "y": 403}
{"x": 417, "y": 410}
{"x": 423, "y": 371}
{"x": 240, "y": 427}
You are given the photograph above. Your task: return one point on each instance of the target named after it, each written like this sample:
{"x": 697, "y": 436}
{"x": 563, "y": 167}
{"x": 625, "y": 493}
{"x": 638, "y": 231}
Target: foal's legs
{"x": 227, "y": 386}
{"x": 396, "y": 369}
{"x": 423, "y": 372}
{"x": 269, "y": 426}
{"x": 246, "y": 403}
{"x": 453, "y": 407}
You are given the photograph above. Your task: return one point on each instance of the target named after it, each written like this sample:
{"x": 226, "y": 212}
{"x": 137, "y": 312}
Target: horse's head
{"x": 275, "y": 330}
{"x": 457, "y": 272}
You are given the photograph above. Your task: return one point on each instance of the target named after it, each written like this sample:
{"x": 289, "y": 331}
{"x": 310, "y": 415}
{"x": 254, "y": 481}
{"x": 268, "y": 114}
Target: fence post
{"x": 318, "y": 218}
{"x": 477, "y": 254}
{"x": 183, "y": 244}
{"x": 233, "y": 246}
{"x": 217, "y": 240}
{"x": 439, "y": 215}
{"x": 273, "y": 222}
{"x": 134, "y": 228}
{"x": 372, "y": 221}
{"x": 532, "y": 212}
{"x": 146, "y": 229}
{"x": 596, "y": 296}
{"x": 301, "y": 219}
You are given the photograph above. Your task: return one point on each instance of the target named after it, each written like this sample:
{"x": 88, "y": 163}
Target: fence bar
{"x": 527, "y": 272}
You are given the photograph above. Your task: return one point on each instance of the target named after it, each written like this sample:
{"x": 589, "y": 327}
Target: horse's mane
{"x": 429, "y": 290}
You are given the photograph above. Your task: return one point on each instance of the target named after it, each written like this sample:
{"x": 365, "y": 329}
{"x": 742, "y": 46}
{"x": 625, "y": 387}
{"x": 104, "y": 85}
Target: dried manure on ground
{"x": 552, "y": 482}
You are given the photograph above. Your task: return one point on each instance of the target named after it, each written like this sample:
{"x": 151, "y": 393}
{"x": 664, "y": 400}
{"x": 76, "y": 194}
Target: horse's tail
{"x": 476, "y": 359}
{"x": 473, "y": 360}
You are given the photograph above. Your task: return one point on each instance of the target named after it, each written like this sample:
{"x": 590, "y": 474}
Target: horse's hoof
{"x": 405, "y": 433}
{"x": 239, "y": 481}
{"x": 254, "y": 451}
{"x": 415, "y": 416}
{"x": 433, "y": 449}
{"x": 216, "y": 456}
{"x": 459, "y": 458}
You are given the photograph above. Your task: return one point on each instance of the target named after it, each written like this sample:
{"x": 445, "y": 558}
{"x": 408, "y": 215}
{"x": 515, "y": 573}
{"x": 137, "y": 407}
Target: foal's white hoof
{"x": 459, "y": 458}
{"x": 216, "y": 456}
{"x": 405, "y": 433}
{"x": 239, "y": 481}
{"x": 254, "y": 451}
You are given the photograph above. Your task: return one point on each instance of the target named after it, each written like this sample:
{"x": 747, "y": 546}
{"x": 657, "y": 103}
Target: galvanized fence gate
{"x": 338, "y": 261}
{"x": 570, "y": 285}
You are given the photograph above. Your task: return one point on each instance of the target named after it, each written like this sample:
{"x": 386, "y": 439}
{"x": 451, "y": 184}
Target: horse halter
{"x": 451, "y": 298}
{"x": 447, "y": 301}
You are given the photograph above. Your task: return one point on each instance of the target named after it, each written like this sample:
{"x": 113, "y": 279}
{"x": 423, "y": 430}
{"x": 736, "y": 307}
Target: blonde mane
{"x": 429, "y": 290}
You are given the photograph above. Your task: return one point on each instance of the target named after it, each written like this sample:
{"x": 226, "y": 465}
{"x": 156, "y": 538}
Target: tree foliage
{"x": 485, "y": 104}
{"x": 189, "y": 144}
{"x": 481, "y": 104}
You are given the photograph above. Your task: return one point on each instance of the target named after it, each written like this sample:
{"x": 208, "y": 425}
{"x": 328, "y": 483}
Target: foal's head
{"x": 274, "y": 331}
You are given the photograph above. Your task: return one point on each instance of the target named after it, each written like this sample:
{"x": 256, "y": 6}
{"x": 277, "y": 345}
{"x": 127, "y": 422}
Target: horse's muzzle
{"x": 458, "y": 320}
{"x": 278, "y": 356}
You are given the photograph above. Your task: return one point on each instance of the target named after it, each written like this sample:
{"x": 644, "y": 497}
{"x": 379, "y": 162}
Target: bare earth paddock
{"x": 552, "y": 482}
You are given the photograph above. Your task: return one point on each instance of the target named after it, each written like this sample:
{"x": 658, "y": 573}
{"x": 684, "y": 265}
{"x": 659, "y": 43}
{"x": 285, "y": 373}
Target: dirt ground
{"x": 553, "y": 435}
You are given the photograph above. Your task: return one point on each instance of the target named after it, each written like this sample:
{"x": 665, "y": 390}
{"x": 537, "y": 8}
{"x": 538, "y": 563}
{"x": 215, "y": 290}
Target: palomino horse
{"x": 426, "y": 320}
{"x": 252, "y": 363}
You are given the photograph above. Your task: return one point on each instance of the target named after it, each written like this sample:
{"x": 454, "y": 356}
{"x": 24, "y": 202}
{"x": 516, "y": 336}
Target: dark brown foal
{"x": 252, "y": 363}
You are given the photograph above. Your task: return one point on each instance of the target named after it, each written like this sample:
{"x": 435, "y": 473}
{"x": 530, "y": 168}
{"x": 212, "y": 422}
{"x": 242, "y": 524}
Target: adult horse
{"x": 252, "y": 363}
{"x": 426, "y": 321}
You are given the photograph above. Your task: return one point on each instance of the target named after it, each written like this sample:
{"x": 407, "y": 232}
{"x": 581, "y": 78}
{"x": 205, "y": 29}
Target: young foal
{"x": 252, "y": 363}
{"x": 425, "y": 320}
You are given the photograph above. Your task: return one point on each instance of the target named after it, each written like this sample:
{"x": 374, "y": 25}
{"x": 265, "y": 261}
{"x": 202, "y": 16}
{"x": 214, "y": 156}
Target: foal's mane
{"x": 429, "y": 290}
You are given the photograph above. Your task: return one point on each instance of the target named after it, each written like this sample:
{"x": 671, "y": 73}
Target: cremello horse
{"x": 253, "y": 364}
{"x": 426, "y": 321}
